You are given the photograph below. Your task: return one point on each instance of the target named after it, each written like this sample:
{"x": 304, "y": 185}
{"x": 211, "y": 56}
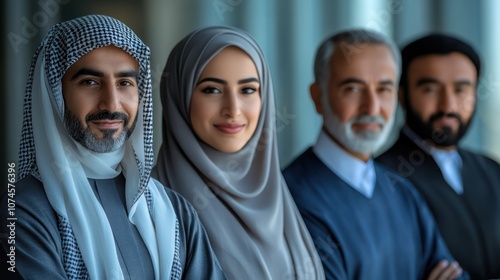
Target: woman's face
{"x": 225, "y": 105}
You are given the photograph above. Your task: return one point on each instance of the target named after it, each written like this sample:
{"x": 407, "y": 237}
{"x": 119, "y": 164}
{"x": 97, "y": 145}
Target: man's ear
{"x": 401, "y": 97}
{"x": 315, "y": 92}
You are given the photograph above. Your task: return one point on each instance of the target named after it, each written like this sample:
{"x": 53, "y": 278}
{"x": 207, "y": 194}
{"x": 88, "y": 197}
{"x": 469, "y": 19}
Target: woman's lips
{"x": 229, "y": 128}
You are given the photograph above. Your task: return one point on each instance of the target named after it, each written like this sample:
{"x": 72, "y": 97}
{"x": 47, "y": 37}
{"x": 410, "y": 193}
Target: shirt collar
{"x": 356, "y": 173}
{"x": 449, "y": 162}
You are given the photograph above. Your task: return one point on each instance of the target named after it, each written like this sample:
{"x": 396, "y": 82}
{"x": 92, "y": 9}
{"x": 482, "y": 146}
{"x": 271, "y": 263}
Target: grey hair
{"x": 353, "y": 38}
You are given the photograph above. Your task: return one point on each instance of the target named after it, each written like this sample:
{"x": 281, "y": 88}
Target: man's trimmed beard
{"x": 107, "y": 143}
{"x": 443, "y": 136}
{"x": 363, "y": 142}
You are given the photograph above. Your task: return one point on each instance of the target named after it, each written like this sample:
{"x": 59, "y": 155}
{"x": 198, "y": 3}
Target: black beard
{"x": 443, "y": 136}
{"x": 85, "y": 137}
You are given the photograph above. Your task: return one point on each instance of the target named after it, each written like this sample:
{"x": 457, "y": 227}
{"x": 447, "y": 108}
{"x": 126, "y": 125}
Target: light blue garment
{"x": 356, "y": 173}
{"x": 449, "y": 162}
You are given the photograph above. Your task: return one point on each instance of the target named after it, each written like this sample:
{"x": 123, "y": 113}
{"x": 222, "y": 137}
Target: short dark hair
{"x": 439, "y": 44}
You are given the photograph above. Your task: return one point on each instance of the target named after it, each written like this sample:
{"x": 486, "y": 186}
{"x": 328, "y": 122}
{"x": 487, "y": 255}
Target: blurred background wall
{"x": 288, "y": 31}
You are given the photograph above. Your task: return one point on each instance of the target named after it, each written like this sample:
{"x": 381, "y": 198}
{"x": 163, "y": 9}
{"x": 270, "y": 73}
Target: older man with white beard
{"x": 367, "y": 222}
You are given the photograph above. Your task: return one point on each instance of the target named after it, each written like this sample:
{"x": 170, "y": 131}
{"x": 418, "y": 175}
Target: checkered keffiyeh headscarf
{"x": 63, "y": 165}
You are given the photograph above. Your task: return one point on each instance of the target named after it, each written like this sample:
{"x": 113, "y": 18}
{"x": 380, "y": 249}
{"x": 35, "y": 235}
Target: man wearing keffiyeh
{"x": 86, "y": 206}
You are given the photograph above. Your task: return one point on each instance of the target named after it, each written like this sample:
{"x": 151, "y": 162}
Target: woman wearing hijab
{"x": 86, "y": 207}
{"x": 219, "y": 151}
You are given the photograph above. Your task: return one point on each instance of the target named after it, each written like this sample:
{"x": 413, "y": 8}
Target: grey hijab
{"x": 242, "y": 199}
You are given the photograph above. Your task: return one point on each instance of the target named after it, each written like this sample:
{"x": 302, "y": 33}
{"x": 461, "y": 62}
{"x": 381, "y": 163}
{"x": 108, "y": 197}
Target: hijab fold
{"x": 242, "y": 199}
{"x": 50, "y": 154}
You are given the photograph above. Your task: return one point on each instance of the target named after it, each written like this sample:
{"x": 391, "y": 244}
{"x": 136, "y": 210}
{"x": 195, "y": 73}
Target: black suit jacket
{"x": 469, "y": 223}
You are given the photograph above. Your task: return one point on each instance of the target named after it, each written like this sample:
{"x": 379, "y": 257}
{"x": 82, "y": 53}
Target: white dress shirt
{"x": 356, "y": 173}
{"x": 449, "y": 162}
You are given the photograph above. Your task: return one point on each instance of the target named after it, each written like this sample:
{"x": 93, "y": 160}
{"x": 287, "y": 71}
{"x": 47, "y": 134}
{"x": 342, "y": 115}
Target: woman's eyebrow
{"x": 210, "y": 79}
{"x": 248, "y": 80}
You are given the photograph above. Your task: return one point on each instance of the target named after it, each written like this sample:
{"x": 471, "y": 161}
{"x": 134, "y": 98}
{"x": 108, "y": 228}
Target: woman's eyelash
{"x": 210, "y": 89}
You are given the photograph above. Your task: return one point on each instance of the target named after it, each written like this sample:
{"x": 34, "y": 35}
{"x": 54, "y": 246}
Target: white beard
{"x": 364, "y": 142}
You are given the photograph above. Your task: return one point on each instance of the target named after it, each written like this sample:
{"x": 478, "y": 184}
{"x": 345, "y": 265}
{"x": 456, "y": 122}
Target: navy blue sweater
{"x": 391, "y": 235}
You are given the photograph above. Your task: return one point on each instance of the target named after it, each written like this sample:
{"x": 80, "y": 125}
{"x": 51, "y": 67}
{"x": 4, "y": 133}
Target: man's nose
{"x": 371, "y": 103}
{"x": 448, "y": 100}
{"x": 109, "y": 99}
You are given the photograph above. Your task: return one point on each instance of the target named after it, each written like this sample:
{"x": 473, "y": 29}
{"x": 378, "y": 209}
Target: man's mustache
{"x": 370, "y": 119}
{"x": 107, "y": 115}
{"x": 439, "y": 115}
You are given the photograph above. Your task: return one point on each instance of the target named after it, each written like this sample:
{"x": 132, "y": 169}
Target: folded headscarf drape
{"x": 49, "y": 153}
{"x": 242, "y": 199}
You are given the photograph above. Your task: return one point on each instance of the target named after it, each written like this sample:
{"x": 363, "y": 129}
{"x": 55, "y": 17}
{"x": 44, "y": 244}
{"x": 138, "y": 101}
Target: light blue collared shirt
{"x": 449, "y": 162}
{"x": 356, "y": 173}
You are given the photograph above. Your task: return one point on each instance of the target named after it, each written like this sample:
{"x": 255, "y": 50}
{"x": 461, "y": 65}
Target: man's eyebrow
{"x": 350, "y": 81}
{"x": 387, "y": 82}
{"x": 427, "y": 80}
{"x": 248, "y": 80}
{"x": 92, "y": 72}
{"x": 127, "y": 74}
{"x": 463, "y": 82}
{"x": 210, "y": 79}
{"x": 87, "y": 71}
